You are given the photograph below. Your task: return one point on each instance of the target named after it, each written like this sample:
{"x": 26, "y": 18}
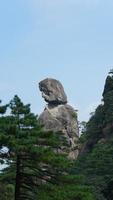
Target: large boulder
{"x": 52, "y": 91}
{"x": 58, "y": 116}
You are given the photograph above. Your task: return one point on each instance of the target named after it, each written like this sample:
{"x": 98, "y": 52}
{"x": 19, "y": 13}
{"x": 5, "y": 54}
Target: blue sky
{"x": 70, "y": 40}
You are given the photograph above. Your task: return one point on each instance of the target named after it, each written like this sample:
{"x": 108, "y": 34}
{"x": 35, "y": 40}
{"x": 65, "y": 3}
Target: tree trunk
{"x": 18, "y": 178}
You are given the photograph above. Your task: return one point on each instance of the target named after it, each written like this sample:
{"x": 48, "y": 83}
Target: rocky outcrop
{"x": 53, "y": 91}
{"x": 58, "y": 116}
{"x": 100, "y": 126}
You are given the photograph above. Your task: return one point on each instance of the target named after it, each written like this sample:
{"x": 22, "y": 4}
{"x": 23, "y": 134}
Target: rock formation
{"x": 58, "y": 116}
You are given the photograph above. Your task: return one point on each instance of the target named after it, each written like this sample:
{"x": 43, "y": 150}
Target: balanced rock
{"x": 58, "y": 116}
{"x": 53, "y": 91}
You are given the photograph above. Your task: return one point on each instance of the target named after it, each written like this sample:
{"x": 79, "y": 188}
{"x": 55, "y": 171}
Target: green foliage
{"x": 96, "y": 160}
{"x": 74, "y": 115}
{"x": 108, "y": 85}
{"x": 108, "y": 99}
{"x": 97, "y": 167}
{"x": 6, "y": 192}
{"x": 66, "y": 192}
{"x": 68, "y": 187}
{"x": 36, "y": 169}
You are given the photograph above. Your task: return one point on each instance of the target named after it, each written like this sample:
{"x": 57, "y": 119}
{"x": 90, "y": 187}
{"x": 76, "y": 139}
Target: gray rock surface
{"x": 52, "y": 91}
{"x": 58, "y": 116}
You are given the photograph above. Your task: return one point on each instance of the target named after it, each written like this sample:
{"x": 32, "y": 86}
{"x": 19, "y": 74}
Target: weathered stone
{"x": 52, "y": 91}
{"x": 59, "y": 117}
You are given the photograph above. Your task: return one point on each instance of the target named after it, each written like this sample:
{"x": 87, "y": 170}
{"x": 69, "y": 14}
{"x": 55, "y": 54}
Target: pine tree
{"x": 32, "y": 152}
{"x": 37, "y": 169}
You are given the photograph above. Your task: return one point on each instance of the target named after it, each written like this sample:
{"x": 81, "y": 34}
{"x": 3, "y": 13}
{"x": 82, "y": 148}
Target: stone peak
{"x": 53, "y": 91}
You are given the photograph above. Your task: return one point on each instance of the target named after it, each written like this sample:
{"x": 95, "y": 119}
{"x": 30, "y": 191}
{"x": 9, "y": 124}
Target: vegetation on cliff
{"x": 38, "y": 170}
{"x": 95, "y": 161}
